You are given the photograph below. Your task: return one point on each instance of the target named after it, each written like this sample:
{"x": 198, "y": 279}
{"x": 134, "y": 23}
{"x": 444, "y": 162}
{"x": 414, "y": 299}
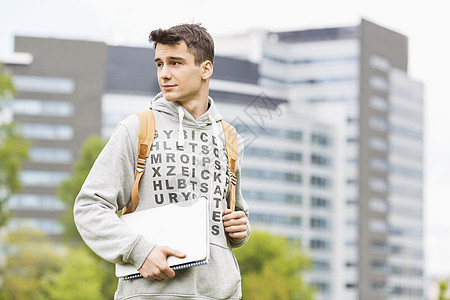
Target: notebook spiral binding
{"x": 175, "y": 268}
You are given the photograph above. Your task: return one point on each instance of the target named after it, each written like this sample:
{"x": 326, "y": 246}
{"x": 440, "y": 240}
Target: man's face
{"x": 179, "y": 77}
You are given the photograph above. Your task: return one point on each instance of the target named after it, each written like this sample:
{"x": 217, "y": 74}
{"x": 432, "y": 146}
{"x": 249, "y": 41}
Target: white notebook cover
{"x": 181, "y": 226}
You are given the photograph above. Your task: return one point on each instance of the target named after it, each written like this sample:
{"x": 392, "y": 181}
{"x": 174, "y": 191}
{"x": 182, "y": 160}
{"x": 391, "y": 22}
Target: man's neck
{"x": 196, "y": 108}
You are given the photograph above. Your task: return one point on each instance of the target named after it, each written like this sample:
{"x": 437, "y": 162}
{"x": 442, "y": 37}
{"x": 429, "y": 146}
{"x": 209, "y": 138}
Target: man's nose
{"x": 164, "y": 72}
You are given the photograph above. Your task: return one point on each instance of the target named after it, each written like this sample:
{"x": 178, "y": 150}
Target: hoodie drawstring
{"x": 215, "y": 131}
{"x": 180, "y": 126}
{"x": 214, "y": 125}
{"x": 180, "y": 141}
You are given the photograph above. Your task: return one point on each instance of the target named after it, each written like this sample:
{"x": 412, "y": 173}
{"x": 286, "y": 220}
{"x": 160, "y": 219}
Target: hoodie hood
{"x": 175, "y": 112}
{"x": 173, "y": 108}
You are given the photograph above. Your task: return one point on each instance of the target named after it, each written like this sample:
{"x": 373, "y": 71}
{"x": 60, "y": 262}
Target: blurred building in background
{"x": 334, "y": 141}
{"x": 58, "y": 106}
{"x": 355, "y": 79}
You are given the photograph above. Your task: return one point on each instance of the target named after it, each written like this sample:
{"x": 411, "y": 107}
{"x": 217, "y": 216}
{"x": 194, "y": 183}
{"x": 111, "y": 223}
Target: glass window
{"x": 320, "y": 265}
{"x": 319, "y": 223}
{"x": 378, "y": 225}
{"x": 272, "y": 153}
{"x": 322, "y": 287}
{"x": 380, "y": 287}
{"x": 35, "y": 202}
{"x": 275, "y": 197}
{"x": 36, "y": 107}
{"x": 293, "y": 134}
{"x": 406, "y": 211}
{"x": 379, "y": 164}
{"x": 409, "y": 191}
{"x": 319, "y": 244}
{"x": 310, "y": 60}
{"x": 378, "y": 205}
{"x": 351, "y": 264}
{"x": 379, "y": 83}
{"x": 320, "y": 202}
{"x": 44, "y": 84}
{"x": 321, "y": 160}
{"x": 351, "y": 202}
{"x": 276, "y": 219}
{"x": 408, "y": 113}
{"x": 407, "y": 132}
{"x": 320, "y": 181}
{"x": 51, "y": 155}
{"x": 378, "y": 103}
{"x": 405, "y": 231}
{"x": 352, "y": 181}
{"x": 320, "y": 139}
{"x": 47, "y": 131}
{"x": 379, "y": 265}
{"x": 272, "y": 175}
{"x": 378, "y": 184}
{"x": 48, "y": 226}
{"x": 351, "y": 222}
{"x": 352, "y": 120}
{"x": 380, "y": 246}
{"x": 407, "y": 172}
{"x": 378, "y": 143}
{"x": 42, "y": 178}
{"x": 414, "y": 253}
{"x": 379, "y": 62}
{"x": 378, "y": 123}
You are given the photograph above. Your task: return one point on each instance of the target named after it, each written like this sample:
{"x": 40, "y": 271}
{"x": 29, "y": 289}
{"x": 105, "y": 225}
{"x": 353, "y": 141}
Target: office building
{"x": 59, "y": 85}
{"x": 332, "y": 122}
{"x": 355, "y": 79}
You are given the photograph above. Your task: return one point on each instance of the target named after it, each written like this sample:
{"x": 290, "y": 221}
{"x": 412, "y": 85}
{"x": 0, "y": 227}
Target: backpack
{"x": 146, "y": 136}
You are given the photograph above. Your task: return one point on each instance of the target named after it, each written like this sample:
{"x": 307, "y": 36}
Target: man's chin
{"x": 169, "y": 97}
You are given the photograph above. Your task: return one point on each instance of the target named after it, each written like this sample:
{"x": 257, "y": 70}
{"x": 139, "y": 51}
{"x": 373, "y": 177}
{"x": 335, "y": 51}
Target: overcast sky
{"x": 426, "y": 23}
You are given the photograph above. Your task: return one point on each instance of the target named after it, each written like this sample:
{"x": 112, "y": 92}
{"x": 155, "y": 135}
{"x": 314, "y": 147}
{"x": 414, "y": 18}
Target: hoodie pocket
{"x": 223, "y": 276}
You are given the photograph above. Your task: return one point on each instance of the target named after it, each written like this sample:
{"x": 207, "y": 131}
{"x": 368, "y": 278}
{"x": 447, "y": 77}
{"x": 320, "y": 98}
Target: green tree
{"x": 80, "y": 278}
{"x": 38, "y": 268}
{"x": 67, "y": 192}
{"x": 69, "y": 188}
{"x": 271, "y": 268}
{"x": 29, "y": 257}
{"x": 443, "y": 287}
{"x": 13, "y": 148}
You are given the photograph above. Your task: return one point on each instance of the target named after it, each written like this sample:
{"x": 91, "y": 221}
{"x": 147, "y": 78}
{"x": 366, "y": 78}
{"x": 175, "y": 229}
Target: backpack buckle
{"x": 140, "y": 167}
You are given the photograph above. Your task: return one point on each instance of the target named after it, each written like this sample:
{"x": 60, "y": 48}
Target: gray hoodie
{"x": 187, "y": 160}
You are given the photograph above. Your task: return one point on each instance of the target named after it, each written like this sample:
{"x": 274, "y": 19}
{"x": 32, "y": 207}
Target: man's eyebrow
{"x": 178, "y": 58}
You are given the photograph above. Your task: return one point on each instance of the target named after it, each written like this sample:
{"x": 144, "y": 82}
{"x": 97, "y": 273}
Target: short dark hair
{"x": 199, "y": 42}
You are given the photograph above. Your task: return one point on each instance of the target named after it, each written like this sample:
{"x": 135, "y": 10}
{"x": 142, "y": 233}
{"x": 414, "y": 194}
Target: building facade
{"x": 57, "y": 106}
{"x": 355, "y": 79}
{"x": 333, "y": 128}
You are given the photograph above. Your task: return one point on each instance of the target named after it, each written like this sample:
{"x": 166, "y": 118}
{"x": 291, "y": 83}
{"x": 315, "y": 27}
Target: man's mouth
{"x": 168, "y": 86}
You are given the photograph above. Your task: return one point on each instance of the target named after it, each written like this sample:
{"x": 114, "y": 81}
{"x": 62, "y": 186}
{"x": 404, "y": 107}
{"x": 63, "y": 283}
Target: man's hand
{"x": 155, "y": 265}
{"x": 235, "y": 224}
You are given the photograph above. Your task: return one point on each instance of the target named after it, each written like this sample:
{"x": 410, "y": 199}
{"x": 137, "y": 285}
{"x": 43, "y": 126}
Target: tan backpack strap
{"x": 231, "y": 146}
{"x": 146, "y": 136}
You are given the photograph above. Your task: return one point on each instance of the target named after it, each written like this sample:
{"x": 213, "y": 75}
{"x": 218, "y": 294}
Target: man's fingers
{"x": 238, "y": 235}
{"x": 235, "y": 222}
{"x": 156, "y": 266}
{"x": 167, "y": 273}
{"x": 228, "y": 215}
{"x": 232, "y": 229}
{"x": 161, "y": 273}
{"x": 169, "y": 251}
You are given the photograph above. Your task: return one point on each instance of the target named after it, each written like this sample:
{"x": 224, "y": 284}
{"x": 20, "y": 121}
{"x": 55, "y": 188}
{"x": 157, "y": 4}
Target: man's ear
{"x": 207, "y": 69}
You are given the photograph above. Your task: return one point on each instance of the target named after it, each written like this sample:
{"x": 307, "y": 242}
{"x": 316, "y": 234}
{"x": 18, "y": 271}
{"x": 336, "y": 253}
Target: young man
{"x": 187, "y": 160}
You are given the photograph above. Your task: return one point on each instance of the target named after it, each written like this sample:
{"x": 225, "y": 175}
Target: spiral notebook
{"x": 181, "y": 226}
